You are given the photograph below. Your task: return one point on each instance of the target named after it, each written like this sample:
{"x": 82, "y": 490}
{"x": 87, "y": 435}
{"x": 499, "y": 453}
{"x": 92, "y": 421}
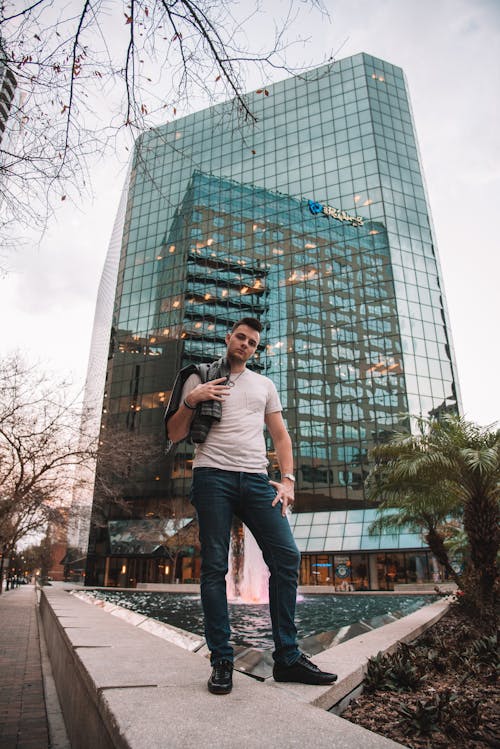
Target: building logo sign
{"x": 342, "y": 570}
{"x": 328, "y": 210}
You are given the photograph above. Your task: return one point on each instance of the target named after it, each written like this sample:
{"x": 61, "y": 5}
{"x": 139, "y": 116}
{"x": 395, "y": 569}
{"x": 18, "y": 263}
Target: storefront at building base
{"x": 345, "y": 549}
{"x": 360, "y": 571}
{"x": 144, "y": 550}
{"x": 339, "y": 548}
{"x": 126, "y": 572}
{"x": 346, "y": 572}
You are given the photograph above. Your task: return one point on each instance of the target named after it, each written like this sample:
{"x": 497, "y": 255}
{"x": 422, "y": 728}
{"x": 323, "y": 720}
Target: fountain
{"x": 321, "y": 619}
{"x": 248, "y": 576}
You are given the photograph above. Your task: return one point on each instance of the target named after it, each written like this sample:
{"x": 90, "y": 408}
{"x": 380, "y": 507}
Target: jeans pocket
{"x": 264, "y": 486}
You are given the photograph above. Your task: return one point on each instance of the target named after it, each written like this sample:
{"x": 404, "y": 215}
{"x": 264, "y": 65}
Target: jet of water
{"x": 247, "y": 579}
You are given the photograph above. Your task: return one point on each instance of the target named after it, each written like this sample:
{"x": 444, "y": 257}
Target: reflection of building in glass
{"x": 314, "y": 220}
{"x": 323, "y": 290}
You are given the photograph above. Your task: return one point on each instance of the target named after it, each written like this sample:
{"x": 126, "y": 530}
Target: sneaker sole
{"x": 218, "y": 690}
{"x": 313, "y": 683}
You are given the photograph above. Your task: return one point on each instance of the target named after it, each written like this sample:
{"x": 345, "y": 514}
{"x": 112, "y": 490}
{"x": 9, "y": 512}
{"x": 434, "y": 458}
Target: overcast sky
{"x": 449, "y": 50}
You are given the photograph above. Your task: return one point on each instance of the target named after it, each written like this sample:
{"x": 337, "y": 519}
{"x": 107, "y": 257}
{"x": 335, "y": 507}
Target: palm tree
{"x": 449, "y": 468}
{"x": 426, "y": 512}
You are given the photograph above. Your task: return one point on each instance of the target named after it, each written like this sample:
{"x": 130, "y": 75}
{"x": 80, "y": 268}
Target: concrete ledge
{"x": 349, "y": 659}
{"x": 321, "y": 590}
{"x": 121, "y": 687}
{"x": 318, "y": 590}
{"x": 169, "y": 587}
{"x": 177, "y": 636}
{"x": 447, "y": 587}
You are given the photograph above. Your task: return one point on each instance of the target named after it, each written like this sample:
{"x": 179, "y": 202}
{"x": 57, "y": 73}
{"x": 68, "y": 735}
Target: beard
{"x": 238, "y": 356}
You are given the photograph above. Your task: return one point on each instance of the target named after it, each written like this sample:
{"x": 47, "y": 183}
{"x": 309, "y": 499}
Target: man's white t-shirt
{"x": 236, "y": 442}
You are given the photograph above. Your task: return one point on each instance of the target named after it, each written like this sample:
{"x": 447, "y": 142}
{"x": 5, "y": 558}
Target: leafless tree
{"x": 183, "y": 532}
{"x": 38, "y": 557}
{"x": 87, "y": 69}
{"x": 39, "y": 450}
{"x": 124, "y": 460}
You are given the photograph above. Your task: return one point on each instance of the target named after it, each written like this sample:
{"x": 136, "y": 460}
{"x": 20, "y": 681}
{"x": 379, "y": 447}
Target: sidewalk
{"x": 23, "y": 717}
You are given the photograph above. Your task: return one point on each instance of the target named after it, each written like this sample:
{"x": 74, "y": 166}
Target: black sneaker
{"x": 302, "y": 671}
{"x": 221, "y": 680}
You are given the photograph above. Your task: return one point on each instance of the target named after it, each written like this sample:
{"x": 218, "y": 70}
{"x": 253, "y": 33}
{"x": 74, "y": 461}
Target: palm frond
{"x": 483, "y": 460}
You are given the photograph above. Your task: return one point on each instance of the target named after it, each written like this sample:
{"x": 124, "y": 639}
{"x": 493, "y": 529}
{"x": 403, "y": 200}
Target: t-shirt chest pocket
{"x": 255, "y": 401}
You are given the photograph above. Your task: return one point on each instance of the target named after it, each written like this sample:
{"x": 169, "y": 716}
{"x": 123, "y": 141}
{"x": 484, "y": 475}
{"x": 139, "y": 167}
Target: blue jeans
{"x": 217, "y": 495}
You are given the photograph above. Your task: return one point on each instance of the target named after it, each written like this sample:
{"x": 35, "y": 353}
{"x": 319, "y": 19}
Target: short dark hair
{"x": 252, "y": 322}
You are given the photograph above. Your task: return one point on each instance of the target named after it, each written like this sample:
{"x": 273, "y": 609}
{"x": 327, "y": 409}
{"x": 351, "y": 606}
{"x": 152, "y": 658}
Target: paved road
{"x": 23, "y": 717}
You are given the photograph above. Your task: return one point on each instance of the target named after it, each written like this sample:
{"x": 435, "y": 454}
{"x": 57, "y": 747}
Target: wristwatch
{"x": 288, "y": 476}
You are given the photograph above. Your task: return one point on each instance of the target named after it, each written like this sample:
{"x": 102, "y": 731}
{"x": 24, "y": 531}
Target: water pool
{"x": 251, "y": 623}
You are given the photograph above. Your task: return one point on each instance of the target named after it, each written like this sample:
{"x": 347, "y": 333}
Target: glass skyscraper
{"x": 315, "y": 220}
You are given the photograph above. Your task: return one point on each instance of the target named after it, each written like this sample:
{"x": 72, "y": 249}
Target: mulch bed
{"x": 440, "y": 691}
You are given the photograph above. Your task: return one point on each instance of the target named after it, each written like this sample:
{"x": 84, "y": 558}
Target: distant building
{"x": 8, "y": 85}
{"x": 57, "y": 541}
{"x": 314, "y": 219}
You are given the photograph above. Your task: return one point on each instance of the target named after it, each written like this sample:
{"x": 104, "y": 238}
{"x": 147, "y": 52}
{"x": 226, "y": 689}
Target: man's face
{"x": 241, "y": 344}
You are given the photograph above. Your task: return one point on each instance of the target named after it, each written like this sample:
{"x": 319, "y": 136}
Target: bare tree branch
{"x": 82, "y": 83}
{"x": 75, "y": 69}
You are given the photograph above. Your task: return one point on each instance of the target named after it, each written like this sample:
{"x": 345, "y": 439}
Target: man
{"x": 230, "y": 477}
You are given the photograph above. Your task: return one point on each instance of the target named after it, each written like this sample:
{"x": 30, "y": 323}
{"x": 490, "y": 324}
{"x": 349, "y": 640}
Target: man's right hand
{"x": 179, "y": 423}
{"x": 213, "y": 390}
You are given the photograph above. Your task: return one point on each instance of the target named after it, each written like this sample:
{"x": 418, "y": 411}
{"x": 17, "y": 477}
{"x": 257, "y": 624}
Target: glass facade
{"x": 94, "y": 391}
{"x": 315, "y": 220}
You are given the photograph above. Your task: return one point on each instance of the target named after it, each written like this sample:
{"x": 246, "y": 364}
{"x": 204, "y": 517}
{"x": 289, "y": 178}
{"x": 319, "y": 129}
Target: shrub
{"x": 395, "y": 673}
{"x": 424, "y": 716}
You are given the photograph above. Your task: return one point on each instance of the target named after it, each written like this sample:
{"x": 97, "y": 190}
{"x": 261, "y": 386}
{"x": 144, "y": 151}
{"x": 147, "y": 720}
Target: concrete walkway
{"x": 23, "y": 717}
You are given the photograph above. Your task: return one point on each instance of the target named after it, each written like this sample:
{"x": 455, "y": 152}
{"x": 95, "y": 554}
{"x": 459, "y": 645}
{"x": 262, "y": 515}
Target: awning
{"x": 148, "y": 536}
{"x": 348, "y": 531}
{"x": 70, "y": 559}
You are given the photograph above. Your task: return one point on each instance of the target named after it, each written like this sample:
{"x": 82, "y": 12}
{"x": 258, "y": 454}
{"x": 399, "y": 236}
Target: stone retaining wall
{"x": 85, "y": 724}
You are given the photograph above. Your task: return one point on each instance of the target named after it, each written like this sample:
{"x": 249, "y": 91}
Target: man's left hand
{"x": 285, "y": 494}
